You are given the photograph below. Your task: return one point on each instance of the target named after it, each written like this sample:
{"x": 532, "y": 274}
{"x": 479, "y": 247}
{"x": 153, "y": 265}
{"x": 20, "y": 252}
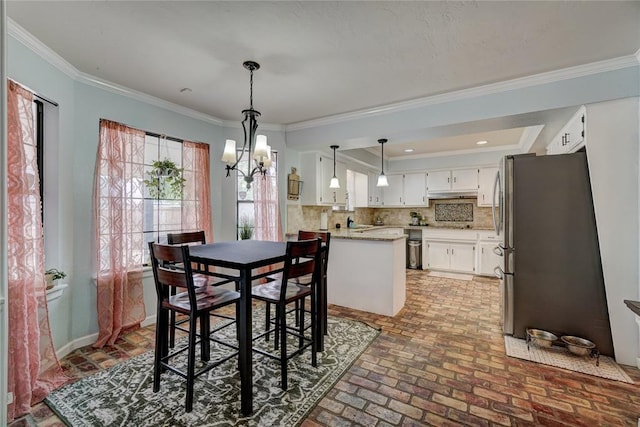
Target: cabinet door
{"x": 415, "y": 186}
{"x": 325, "y": 175}
{"x": 486, "y": 179}
{"x": 464, "y": 179}
{"x": 487, "y": 259}
{"x": 375, "y": 194}
{"x": 340, "y": 194}
{"x": 438, "y": 255}
{"x": 392, "y": 195}
{"x": 462, "y": 257}
{"x": 438, "y": 181}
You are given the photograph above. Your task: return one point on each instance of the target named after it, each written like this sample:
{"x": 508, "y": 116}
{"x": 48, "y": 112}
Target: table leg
{"x": 245, "y": 351}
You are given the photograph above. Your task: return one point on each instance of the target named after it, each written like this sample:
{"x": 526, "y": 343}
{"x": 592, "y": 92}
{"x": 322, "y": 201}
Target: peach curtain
{"x": 196, "y": 197}
{"x": 119, "y": 192}
{"x": 34, "y": 369}
{"x": 266, "y": 207}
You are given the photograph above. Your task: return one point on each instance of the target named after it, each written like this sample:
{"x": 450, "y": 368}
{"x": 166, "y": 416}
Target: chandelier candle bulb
{"x": 261, "y": 148}
{"x": 229, "y": 155}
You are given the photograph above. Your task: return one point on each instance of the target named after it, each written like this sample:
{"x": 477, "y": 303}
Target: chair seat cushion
{"x": 207, "y": 297}
{"x": 271, "y": 291}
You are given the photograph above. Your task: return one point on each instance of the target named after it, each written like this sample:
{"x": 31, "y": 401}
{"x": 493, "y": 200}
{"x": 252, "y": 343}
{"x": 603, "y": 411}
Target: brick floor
{"x": 440, "y": 362}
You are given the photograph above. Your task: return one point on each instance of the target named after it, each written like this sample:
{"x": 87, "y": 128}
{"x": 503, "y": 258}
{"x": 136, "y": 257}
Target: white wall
{"x": 613, "y": 156}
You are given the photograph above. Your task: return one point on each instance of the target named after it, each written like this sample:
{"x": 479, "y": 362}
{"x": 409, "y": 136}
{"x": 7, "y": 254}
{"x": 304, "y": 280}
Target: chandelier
{"x": 261, "y": 154}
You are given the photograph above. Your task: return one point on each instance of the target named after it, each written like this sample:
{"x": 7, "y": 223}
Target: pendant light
{"x": 382, "y": 178}
{"x": 334, "y": 181}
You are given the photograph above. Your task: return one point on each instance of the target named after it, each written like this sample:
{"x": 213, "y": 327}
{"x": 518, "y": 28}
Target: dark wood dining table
{"x": 244, "y": 256}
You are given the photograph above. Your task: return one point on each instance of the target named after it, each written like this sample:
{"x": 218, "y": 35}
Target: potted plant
{"x": 165, "y": 180}
{"x": 53, "y": 274}
{"x": 246, "y": 228}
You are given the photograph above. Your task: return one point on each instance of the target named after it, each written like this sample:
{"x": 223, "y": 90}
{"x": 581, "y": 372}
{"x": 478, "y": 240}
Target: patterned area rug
{"x": 561, "y": 358}
{"x": 123, "y": 395}
{"x": 457, "y": 276}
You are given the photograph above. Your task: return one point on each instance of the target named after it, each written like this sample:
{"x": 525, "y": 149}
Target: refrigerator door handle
{"x": 497, "y": 185}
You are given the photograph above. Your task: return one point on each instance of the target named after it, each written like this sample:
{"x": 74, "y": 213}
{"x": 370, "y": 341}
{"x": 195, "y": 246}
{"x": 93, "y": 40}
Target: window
{"x": 245, "y": 208}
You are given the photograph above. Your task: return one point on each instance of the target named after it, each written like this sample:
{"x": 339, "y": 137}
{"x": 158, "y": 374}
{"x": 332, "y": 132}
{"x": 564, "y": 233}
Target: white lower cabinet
{"x": 452, "y": 256}
{"x": 487, "y": 259}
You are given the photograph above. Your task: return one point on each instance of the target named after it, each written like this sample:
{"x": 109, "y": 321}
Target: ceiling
{"x": 322, "y": 58}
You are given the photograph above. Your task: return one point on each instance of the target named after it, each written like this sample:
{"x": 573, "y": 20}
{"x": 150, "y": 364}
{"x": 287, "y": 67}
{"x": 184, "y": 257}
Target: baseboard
{"x": 90, "y": 339}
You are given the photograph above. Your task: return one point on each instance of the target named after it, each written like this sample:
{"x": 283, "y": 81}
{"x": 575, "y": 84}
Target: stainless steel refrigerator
{"x": 551, "y": 276}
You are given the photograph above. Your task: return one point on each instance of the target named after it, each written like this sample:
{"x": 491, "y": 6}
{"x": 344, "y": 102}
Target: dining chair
{"x": 199, "y": 303}
{"x": 193, "y": 238}
{"x": 301, "y": 263}
{"x": 325, "y": 236}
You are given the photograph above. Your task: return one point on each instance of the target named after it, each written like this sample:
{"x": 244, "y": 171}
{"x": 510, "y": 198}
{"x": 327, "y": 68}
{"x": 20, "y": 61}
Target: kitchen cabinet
{"x": 316, "y": 172}
{"x": 405, "y": 190}
{"x": 453, "y": 256}
{"x": 375, "y": 192}
{"x": 572, "y": 136}
{"x": 393, "y": 194}
{"x": 487, "y": 258}
{"x": 486, "y": 180}
{"x": 452, "y": 180}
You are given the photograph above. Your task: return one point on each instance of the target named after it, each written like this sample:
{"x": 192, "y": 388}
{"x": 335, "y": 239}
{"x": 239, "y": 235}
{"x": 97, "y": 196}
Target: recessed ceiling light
{"x": 482, "y": 142}
{"x": 408, "y": 150}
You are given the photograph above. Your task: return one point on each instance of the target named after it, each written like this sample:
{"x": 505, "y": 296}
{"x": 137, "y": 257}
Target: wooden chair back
{"x": 187, "y": 237}
{"x": 302, "y": 259}
{"x": 325, "y": 236}
{"x": 171, "y": 270}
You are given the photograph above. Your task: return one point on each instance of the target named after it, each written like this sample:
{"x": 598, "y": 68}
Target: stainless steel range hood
{"x": 452, "y": 195}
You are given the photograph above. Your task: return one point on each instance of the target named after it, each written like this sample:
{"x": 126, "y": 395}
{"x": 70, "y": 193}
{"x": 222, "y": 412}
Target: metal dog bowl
{"x": 541, "y": 338}
{"x": 578, "y": 346}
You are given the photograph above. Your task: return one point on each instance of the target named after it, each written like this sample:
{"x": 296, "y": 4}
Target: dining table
{"x": 245, "y": 258}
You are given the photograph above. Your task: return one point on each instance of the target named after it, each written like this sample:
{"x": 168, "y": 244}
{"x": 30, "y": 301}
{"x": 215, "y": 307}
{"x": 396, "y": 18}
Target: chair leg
{"x": 314, "y": 330}
{"x": 172, "y": 330}
{"x": 205, "y": 331}
{"x": 297, "y": 312}
{"x": 281, "y": 308}
{"x": 277, "y": 334}
{"x": 267, "y": 320}
{"x": 191, "y": 362}
{"x": 301, "y": 322}
{"x": 160, "y": 347}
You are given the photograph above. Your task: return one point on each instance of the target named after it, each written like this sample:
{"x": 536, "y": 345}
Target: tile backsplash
{"x": 308, "y": 217}
{"x": 454, "y": 212}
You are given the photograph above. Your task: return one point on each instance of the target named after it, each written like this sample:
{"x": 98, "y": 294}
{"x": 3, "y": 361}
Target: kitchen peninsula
{"x": 367, "y": 270}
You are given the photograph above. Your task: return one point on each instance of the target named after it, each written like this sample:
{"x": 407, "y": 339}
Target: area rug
{"x": 561, "y": 358}
{"x": 123, "y": 395}
{"x": 457, "y": 276}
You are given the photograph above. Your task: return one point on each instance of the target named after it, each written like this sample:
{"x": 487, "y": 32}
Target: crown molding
{"x": 489, "y": 89}
{"x": 47, "y": 54}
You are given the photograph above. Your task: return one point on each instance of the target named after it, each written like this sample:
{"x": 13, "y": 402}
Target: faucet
{"x": 349, "y": 222}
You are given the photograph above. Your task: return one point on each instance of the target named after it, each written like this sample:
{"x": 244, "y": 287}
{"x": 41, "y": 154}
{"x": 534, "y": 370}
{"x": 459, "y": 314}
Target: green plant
{"x": 165, "y": 180}
{"x": 55, "y": 274}
{"x": 246, "y": 228}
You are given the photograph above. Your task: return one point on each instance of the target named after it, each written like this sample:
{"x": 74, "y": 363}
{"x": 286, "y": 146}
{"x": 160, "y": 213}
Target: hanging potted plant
{"x": 165, "y": 180}
{"x": 53, "y": 274}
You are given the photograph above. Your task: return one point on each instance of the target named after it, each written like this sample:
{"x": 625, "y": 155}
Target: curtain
{"x": 34, "y": 369}
{"x": 196, "y": 196}
{"x": 266, "y": 208}
{"x": 118, "y": 192}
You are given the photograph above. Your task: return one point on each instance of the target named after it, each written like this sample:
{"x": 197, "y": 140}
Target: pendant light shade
{"x": 334, "y": 183}
{"x": 382, "y": 178}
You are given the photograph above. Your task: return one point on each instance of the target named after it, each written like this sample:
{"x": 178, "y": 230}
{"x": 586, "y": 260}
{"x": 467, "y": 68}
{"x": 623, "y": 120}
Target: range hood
{"x": 452, "y": 195}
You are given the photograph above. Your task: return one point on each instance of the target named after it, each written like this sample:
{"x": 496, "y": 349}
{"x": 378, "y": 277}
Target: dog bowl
{"x": 541, "y": 338}
{"x": 578, "y": 346}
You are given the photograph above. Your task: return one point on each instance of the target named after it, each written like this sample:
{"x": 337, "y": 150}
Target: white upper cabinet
{"x": 486, "y": 179}
{"x": 452, "y": 180}
{"x": 572, "y": 136}
{"x": 415, "y": 186}
{"x": 405, "y": 190}
{"x": 316, "y": 172}
{"x": 393, "y": 194}
{"x": 375, "y": 192}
